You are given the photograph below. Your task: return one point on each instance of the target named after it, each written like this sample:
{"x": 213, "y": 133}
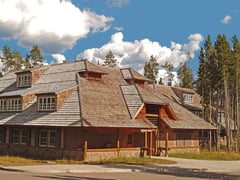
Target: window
{"x": 20, "y": 136}
{"x": 46, "y": 104}
{"x": 2, "y": 135}
{"x": 3, "y": 105}
{"x": 48, "y": 138}
{"x": 13, "y": 104}
{"x": 130, "y": 139}
{"x": 188, "y": 98}
{"x": 24, "y": 80}
{"x": 183, "y": 139}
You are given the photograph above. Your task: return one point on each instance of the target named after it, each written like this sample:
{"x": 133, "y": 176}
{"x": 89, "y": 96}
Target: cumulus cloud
{"x": 226, "y": 19}
{"x": 135, "y": 54}
{"x": 59, "y": 58}
{"x": 54, "y": 25}
{"x": 117, "y": 3}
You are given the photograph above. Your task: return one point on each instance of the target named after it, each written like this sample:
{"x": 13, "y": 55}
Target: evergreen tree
{"x": 185, "y": 76}
{"x": 110, "y": 60}
{"x": 151, "y": 68}
{"x": 7, "y": 59}
{"x": 169, "y": 68}
{"x": 236, "y": 61}
{"x": 224, "y": 59}
{"x": 36, "y": 55}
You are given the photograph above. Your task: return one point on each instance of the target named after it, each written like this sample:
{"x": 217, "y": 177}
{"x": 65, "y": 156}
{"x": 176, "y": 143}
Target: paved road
{"x": 184, "y": 169}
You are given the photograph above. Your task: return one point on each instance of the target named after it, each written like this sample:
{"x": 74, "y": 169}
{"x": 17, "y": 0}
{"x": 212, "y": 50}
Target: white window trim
{"x": 24, "y": 80}
{"x": 11, "y": 104}
{"x": 188, "y": 98}
{"x": 47, "y": 103}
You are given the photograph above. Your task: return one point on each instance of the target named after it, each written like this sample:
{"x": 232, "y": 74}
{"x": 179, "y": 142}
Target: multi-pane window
{"x": 13, "y": 104}
{"x": 24, "y": 80}
{"x": 20, "y": 136}
{"x": 47, "y": 138}
{"x": 2, "y": 135}
{"x": 188, "y": 98}
{"x": 184, "y": 138}
{"x": 46, "y": 103}
{"x": 3, "y": 105}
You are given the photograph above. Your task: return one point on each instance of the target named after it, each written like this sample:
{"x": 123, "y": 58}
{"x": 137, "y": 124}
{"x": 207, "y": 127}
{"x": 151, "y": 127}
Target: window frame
{"x": 20, "y": 136}
{"x": 3, "y": 105}
{"x": 2, "y": 135}
{"x": 47, "y": 103}
{"x": 24, "y": 80}
{"x": 49, "y": 139}
{"x": 187, "y": 98}
{"x": 10, "y": 104}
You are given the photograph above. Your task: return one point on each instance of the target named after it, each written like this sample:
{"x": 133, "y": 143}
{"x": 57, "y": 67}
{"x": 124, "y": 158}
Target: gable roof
{"x": 185, "y": 118}
{"x": 92, "y": 103}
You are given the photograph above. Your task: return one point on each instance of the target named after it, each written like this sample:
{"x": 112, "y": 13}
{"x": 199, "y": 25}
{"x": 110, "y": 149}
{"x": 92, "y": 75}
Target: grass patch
{"x": 133, "y": 160}
{"x": 20, "y": 161}
{"x": 224, "y": 156}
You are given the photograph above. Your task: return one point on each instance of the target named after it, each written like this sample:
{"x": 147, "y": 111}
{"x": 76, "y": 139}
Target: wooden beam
{"x": 166, "y": 143}
{"x": 152, "y": 115}
{"x": 85, "y": 150}
{"x": 151, "y": 144}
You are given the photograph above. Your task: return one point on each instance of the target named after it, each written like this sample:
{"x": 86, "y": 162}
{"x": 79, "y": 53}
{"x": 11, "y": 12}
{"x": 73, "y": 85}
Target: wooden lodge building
{"x": 78, "y": 110}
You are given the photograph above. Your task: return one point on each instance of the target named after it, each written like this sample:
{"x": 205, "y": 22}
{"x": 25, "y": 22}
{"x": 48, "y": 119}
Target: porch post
{"x": 166, "y": 143}
{"x": 118, "y": 143}
{"x": 145, "y": 139}
{"x": 85, "y": 150}
{"x": 118, "y": 147}
{"x": 151, "y": 143}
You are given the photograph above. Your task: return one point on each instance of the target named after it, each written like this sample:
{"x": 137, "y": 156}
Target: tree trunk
{"x": 226, "y": 113}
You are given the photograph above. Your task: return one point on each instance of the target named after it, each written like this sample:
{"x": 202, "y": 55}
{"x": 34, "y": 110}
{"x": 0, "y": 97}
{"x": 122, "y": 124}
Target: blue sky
{"x": 132, "y": 29}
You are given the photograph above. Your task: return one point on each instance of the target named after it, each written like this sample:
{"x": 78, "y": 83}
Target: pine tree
{"x": 223, "y": 55}
{"x": 185, "y": 76}
{"x": 36, "y": 55}
{"x": 169, "y": 68}
{"x": 151, "y": 68}
{"x": 110, "y": 60}
{"x": 236, "y": 60}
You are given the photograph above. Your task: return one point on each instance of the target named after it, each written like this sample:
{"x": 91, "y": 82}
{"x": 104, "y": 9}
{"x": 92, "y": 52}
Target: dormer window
{"x": 188, "y": 98}
{"x": 24, "y": 80}
{"x": 12, "y": 104}
{"x": 46, "y": 103}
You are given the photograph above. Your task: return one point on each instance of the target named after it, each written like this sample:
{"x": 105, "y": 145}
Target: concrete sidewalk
{"x": 186, "y": 165}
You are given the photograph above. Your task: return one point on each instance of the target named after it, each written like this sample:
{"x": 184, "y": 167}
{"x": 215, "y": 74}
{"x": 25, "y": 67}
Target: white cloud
{"x": 226, "y": 19}
{"x": 59, "y": 58}
{"x": 118, "y": 28}
{"x": 54, "y": 25}
{"x": 117, "y": 3}
{"x": 135, "y": 54}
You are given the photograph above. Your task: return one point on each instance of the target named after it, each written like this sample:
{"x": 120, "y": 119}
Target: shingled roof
{"x": 185, "y": 118}
{"x": 108, "y": 102}
{"x": 91, "y": 104}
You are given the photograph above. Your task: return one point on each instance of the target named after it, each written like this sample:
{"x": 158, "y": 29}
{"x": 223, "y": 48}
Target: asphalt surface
{"x": 184, "y": 168}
